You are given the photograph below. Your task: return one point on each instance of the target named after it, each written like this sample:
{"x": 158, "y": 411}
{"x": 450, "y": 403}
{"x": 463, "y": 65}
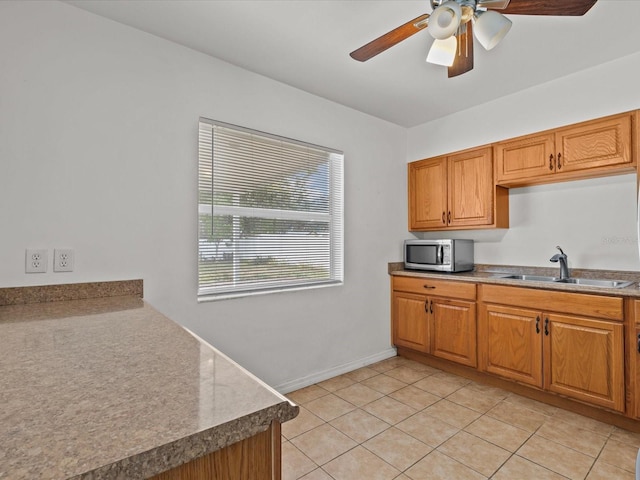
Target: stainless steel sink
{"x": 587, "y": 282}
{"x": 592, "y": 282}
{"x": 533, "y": 278}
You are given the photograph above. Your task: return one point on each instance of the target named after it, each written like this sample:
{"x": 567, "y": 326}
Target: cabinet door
{"x": 428, "y": 194}
{"x": 634, "y": 366}
{"x": 593, "y": 144}
{"x": 511, "y": 343}
{"x": 584, "y": 359}
{"x": 410, "y": 321}
{"x": 525, "y": 158}
{"x": 471, "y": 188}
{"x": 453, "y": 333}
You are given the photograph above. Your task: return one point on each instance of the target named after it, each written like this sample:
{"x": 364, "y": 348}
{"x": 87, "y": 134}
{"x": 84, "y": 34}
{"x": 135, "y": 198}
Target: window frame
{"x": 333, "y": 217}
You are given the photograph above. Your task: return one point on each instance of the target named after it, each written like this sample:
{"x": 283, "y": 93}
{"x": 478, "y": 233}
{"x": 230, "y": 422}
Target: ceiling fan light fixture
{"x": 490, "y": 28}
{"x": 445, "y": 20}
{"x": 443, "y": 52}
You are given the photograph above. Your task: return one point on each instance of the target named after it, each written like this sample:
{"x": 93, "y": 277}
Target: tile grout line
{"x": 481, "y": 414}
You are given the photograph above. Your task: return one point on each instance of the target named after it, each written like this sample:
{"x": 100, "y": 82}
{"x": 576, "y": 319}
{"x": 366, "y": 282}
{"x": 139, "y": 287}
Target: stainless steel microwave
{"x": 450, "y": 255}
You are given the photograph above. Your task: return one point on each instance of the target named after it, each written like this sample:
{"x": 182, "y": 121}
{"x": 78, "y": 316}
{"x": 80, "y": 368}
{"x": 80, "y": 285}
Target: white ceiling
{"x": 306, "y": 44}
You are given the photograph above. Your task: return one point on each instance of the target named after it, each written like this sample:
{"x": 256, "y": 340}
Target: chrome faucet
{"x": 562, "y": 259}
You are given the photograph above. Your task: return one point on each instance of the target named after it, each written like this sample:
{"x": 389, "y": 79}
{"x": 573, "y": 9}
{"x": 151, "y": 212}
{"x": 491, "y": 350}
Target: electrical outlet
{"x": 36, "y": 261}
{"x": 63, "y": 260}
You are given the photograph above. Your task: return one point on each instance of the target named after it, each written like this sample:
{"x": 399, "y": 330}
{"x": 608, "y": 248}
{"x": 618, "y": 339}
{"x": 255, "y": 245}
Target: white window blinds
{"x": 270, "y": 212}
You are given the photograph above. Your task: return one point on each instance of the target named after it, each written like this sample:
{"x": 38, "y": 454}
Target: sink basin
{"x": 591, "y": 282}
{"x": 533, "y": 278}
{"x": 587, "y": 282}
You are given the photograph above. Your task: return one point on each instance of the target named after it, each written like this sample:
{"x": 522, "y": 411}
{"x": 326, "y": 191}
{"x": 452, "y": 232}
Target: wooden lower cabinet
{"x": 512, "y": 343}
{"x": 429, "y": 323}
{"x": 411, "y": 321}
{"x": 571, "y": 355}
{"x": 454, "y": 330}
{"x": 573, "y": 347}
{"x": 633, "y": 357}
{"x": 584, "y": 359}
{"x": 254, "y": 458}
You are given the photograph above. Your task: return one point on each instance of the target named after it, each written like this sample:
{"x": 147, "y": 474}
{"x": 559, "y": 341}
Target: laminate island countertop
{"x": 102, "y": 388}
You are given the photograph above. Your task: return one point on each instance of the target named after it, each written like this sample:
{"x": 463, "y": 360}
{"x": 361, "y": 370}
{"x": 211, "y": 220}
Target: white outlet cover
{"x": 63, "y": 260}
{"x": 36, "y": 260}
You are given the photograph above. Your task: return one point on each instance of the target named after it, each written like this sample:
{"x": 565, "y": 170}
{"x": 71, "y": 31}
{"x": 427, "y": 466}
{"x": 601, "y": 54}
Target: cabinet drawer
{"x": 610, "y": 308}
{"x": 440, "y": 288}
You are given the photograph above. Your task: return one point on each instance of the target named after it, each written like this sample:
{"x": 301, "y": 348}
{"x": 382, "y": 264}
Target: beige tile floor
{"x": 399, "y": 419}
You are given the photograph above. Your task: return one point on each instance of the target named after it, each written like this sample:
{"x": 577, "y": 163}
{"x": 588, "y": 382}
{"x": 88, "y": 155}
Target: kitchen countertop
{"x": 491, "y": 274}
{"x": 110, "y": 388}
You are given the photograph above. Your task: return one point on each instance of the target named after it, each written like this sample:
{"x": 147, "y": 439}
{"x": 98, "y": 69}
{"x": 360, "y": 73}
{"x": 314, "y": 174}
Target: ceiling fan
{"x": 453, "y": 23}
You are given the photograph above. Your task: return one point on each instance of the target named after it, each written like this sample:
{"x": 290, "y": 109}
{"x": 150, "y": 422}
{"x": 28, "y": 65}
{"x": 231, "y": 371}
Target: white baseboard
{"x": 299, "y": 383}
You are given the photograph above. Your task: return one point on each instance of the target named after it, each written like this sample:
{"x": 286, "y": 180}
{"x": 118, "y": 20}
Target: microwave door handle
{"x": 440, "y": 255}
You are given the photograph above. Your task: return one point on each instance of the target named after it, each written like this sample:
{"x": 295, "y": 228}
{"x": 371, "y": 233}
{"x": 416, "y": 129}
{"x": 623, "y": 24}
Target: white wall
{"x": 98, "y": 152}
{"x": 593, "y": 220}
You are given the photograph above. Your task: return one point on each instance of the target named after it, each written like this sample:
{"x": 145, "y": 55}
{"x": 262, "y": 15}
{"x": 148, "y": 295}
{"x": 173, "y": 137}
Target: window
{"x": 270, "y": 213}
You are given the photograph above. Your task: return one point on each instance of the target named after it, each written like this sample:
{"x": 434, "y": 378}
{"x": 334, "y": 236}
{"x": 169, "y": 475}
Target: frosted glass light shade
{"x": 445, "y": 20}
{"x": 490, "y": 27}
{"x": 443, "y": 52}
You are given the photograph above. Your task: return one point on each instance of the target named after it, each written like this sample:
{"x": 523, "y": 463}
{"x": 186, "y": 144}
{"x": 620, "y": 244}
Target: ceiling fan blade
{"x": 390, "y": 39}
{"x": 549, "y": 7}
{"x": 464, "y": 53}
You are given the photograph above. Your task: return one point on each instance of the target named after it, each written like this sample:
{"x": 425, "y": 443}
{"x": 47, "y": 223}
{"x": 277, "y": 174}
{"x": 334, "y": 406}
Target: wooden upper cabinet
{"x": 456, "y": 192}
{"x": 599, "y": 143}
{"x": 527, "y": 157}
{"x": 428, "y": 194}
{"x": 588, "y": 149}
{"x": 471, "y": 188}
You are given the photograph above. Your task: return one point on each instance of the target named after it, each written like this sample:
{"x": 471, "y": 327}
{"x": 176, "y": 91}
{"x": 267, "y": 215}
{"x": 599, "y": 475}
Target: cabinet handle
{"x": 639, "y": 343}
{"x": 426, "y": 306}
{"x": 538, "y": 328}
{"x": 431, "y": 306}
{"x": 443, "y": 219}
{"x": 546, "y": 326}
{"x": 427, "y": 286}
{"x": 551, "y": 162}
{"x": 559, "y": 162}
{"x": 449, "y": 217}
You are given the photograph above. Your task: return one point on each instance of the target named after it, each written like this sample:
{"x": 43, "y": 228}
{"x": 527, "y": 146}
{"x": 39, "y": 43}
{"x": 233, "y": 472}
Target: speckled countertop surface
{"x": 108, "y": 388}
{"x": 492, "y": 274}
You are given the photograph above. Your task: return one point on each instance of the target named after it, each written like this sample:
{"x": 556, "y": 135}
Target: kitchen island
{"x": 109, "y": 388}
